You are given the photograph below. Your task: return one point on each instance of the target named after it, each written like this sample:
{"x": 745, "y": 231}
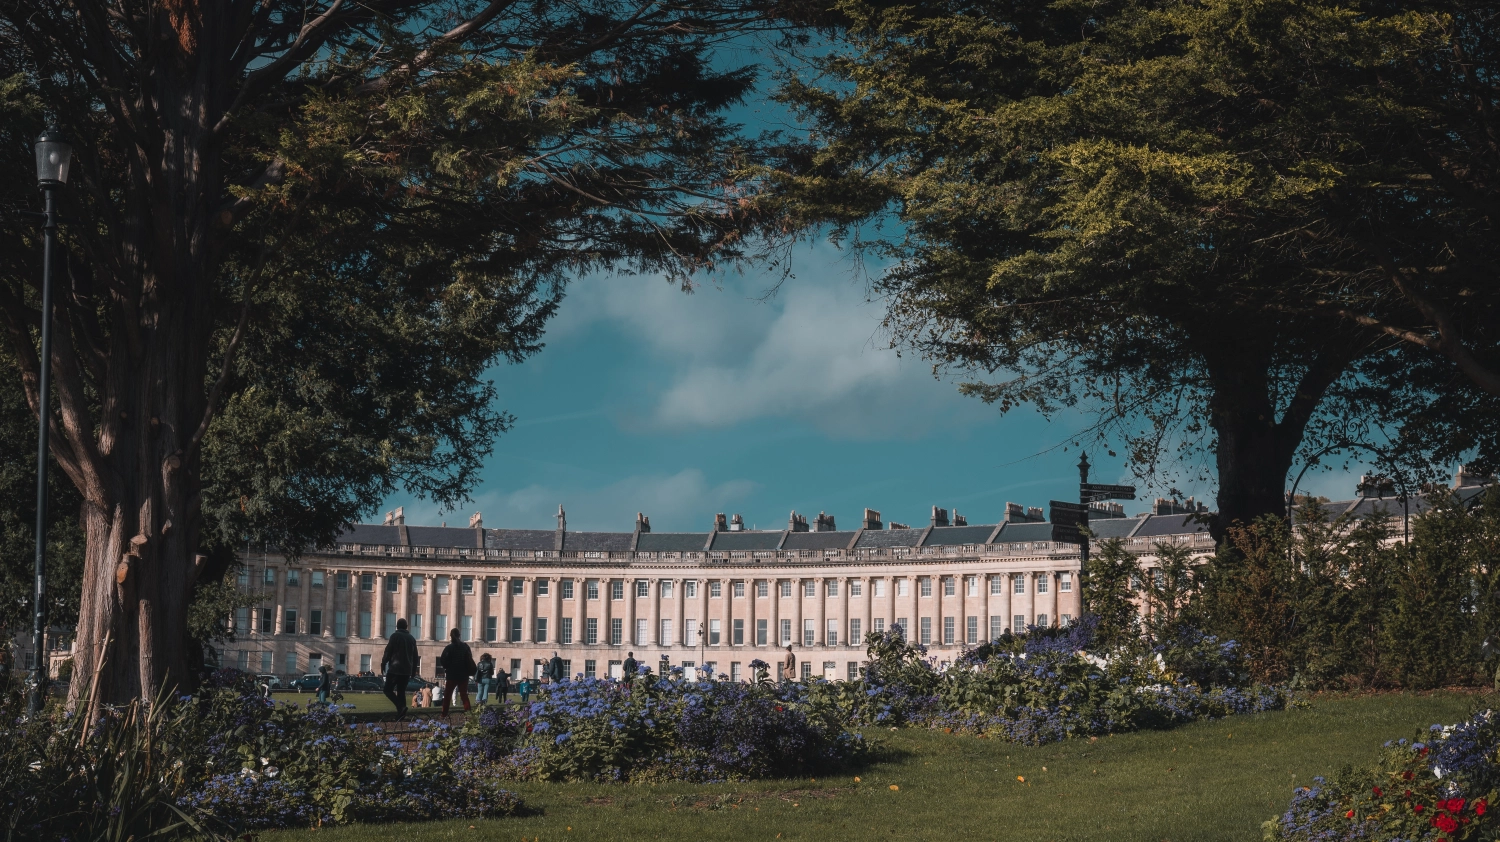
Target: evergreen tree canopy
{"x": 1182, "y": 214}
{"x": 300, "y": 232}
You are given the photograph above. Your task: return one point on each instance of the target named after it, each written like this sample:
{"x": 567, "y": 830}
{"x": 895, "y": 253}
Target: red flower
{"x": 1377, "y": 791}
{"x": 1418, "y": 808}
{"x": 1349, "y": 815}
{"x": 1454, "y": 805}
{"x": 1424, "y": 751}
{"x": 1406, "y": 794}
{"x": 1446, "y": 824}
{"x": 1406, "y": 776}
{"x": 1480, "y": 806}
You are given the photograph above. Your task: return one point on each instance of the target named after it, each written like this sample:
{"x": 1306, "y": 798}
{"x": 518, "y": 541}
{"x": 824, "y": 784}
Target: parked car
{"x": 308, "y": 683}
{"x": 271, "y": 680}
{"x": 366, "y": 683}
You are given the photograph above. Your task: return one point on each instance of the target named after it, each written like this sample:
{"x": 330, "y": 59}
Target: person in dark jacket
{"x": 399, "y": 663}
{"x": 325, "y": 683}
{"x": 484, "y": 676}
{"x": 629, "y": 668}
{"x": 457, "y": 661}
{"x": 555, "y": 672}
{"x": 502, "y": 684}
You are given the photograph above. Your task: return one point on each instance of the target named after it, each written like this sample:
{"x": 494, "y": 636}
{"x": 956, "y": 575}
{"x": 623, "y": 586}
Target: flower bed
{"x": 1438, "y": 787}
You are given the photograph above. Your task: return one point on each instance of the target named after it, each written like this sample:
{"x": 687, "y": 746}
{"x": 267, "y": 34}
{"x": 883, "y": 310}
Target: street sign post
{"x": 1092, "y": 491}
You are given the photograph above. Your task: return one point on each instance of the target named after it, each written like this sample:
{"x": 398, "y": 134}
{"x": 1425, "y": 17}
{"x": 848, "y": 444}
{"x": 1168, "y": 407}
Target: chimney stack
{"x": 642, "y": 523}
{"x": 1376, "y": 486}
{"x": 824, "y": 523}
{"x": 562, "y": 519}
{"x": 396, "y": 518}
{"x": 390, "y": 519}
{"x": 959, "y": 520}
{"x": 796, "y": 523}
{"x": 736, "y": 524}
{"x": 1467, "y": 477}
{"x": 720, "y": 523}
{"x": 1106, "y": 509}
{"x": 1036, "y": 514}
{"x": 895, "y": 525}
{"x": 872, "y": 519}
{"x": 939, "y": 516}
{"x": 1017, "y": 513}
{"x": 476, "y": 521}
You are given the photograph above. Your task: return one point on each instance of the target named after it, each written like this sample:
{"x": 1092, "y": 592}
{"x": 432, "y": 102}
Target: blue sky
{"x": 682, "y": 405}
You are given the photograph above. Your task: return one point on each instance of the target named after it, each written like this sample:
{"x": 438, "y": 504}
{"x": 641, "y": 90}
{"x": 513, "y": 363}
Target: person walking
{"x": 629, "y": 667}
{"x": 525, "y": 690}
{"x": 399, "y": 663}
{"x": 457, "y": 661}
{"x": 556, "y": 672}
{"x": 502, "y": 685}
{"x": 789, "y": 666}
{"x": 325, "y": 684}
{"x": 483, "y": 675}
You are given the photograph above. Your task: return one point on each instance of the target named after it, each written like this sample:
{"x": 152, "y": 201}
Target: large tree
{"x": 300, "y": 231}
{"x": 1146, "y": 206}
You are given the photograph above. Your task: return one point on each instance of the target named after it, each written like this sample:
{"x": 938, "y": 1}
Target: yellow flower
{"x": 894, "y": 788}
{"x": 1021, "y": 779}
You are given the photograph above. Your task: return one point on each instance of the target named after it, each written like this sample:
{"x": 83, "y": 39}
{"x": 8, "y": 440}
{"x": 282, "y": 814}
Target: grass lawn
{"x": 1207, "y": 781}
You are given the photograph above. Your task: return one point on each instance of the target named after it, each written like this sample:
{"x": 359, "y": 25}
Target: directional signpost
{"x": 1070, "y": 521}
{"x": 1092, "y": 492}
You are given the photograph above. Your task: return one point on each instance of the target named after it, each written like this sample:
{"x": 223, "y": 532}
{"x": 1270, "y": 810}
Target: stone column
{"x": 703, "y": 618}
{"x": 606, "y": 611}
{"x": 844, "y": 609}
{"x": 280, "y": 619}
{"x": 429, "y": 614}
{"x": 773, "y": 615}
{"x": 528, "y": 625}
{"x": 330, "y": 579}
{"x": 750, "y": 612}
{"x": 679, "y": 628}
{"x": 630, "y": 599}
{"x": 580, "y": 611}
{"x": 481, "y": 607}
{"x": 304, "y": 612}
{"x": 797, "y": 599}
{"x": 504, "y": 615}
{"x": 557, "y": 611}
{"x": 820, "y": 610}
{"x": 653, "y": 614}
{"x": 354, "y": 604}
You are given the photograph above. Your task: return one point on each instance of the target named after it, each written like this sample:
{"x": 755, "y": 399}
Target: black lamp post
{"x": 53, "y": 156}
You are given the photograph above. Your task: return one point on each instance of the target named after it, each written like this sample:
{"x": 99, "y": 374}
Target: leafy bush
{"x": 664, "y": 729}
{"x": 1439, "y": 786}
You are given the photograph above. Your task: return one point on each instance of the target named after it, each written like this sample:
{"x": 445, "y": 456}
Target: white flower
{"x": 272, "y": 772}
{"x": 265, "y": 761}
{"x": 36, "y": 766}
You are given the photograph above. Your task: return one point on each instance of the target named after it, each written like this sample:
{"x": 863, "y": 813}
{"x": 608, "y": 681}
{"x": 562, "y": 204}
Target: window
{"x": 440, "y": 631}
{"x": 878, "y": 625}
{"x": 515, "y": 669}
{"x": 971, "y": 585}
{"x": 617, "y": 589}
{"x": 268, "y": 577}
{"x": 690, "y": 632}
{"x": 739, "y": 590}
{"x": 291, "y": 662}
{"x": 491, "y": 629}
{"x": 1065, "y": 582}
{"x": 417, "y": 628}
{"x": 690, "y": 588}
{"x": 616, "y": 631}
{"x": 809, "y": 588}
{"x": 591, "y": 589}
{"x": 567, "y": 588}
{"x": 543, "y": 587}
{"x": 714, "y": 630}
{"x": 392, "y": 583}
{"x": 492, "y": 586}
{"x": 762, "y": 588}
{"x": 1156, "y": 577}
{"x": 997, "y": 585}
{"x": 418, "y": 583}
{"x": 809, "y": 633}
{"x": 738, "y": 636}
{"x": 1066, "y": 619}
{"x": 466, "y": 585}
{"x": 950, "y": 587}
{"x": 831, "y": 636}
{"x": 666, "y": 589}
{"x": 367, "y": 582}
{"x": 1018, "y": 623}
{"x": 856, "y": 588}
{"x": 714, "y": 591}
{"x": 243, "y": 661}
{"x": 926, "y": 638}
{"x": 315, "y": 622}
{"x": 642, "y": 629}
{"x": 877, "y": 587}
{"x": 442, "y": 584}
{"x": 762, "y": 628}
{"x": 786, "y": 632}
{"x": 1018, "y": 584}
{"x": 341, "y": 581}
{"x": 317, "y": 579}
{"x": 1041, "y": 620}
{"x": 666, "y": 633}
{"x": 1135, "y": 581}
{"x": 833, "y": 587}
{"x": 997, "y": 626}
{"x": 591, "y": 631}
{"x": 902, "y": 588}
{"x": 541, "y": 630}
{"x": 807, "y": 670}
{"x": 642, "y": 588}
{"x": 242, "y": 578}
{"x": 364, "y": 663}
{"x": 948, "y": 631}
{"x": 853, "y": 671}
{"x": 466, "y": 627}
{"x": 294, "y": 578}
{"x": 289, "y": 621}
{"x": 516, "y": 629}
{"x": 786, "y": 589}
{"x": 242, "y": 620}
{"x": 265, "y": 660}
{"x": 364, "y": 624}
{"x": 734, "y": 670}
{"x": 1041, "y": 582}
{"x": 517, "y": 587}
{"x": 854, "y": 632}
{"x": 567, "y": 667}
{"x": 565, "y": 631}
{"x": 925, "y": 584}
{"x": 590, "y": 668}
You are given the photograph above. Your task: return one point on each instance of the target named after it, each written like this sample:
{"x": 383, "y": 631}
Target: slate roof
{"x": 953, "y": 536}
{"x": 817, "y": 540}
{"x": 614, "y": 542}
{"x": 747, "y": 540}
{"x": 365, "y": 533}
{"x": 1114, "y": 527}
{"x": 1017, "y": 532}
{"x": 1157, "y": 526}
{"x": 672, "y": 542}
{"x": 884, "y": 538}
{"x": 440, "y": 536}
{"x": 520, "y": 539}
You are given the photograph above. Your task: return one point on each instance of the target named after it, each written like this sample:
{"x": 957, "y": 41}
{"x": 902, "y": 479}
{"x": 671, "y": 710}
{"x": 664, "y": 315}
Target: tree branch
{"x": 454, "y": 35}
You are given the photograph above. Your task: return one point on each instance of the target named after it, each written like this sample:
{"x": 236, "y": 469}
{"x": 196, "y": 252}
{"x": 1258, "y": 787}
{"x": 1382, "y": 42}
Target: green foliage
{"x": 1107, "y": 592}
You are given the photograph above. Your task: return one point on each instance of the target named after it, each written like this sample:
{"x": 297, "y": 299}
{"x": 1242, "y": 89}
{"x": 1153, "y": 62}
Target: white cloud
{"x": 610, "y": 508}
{"x": 814, "y": 352}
